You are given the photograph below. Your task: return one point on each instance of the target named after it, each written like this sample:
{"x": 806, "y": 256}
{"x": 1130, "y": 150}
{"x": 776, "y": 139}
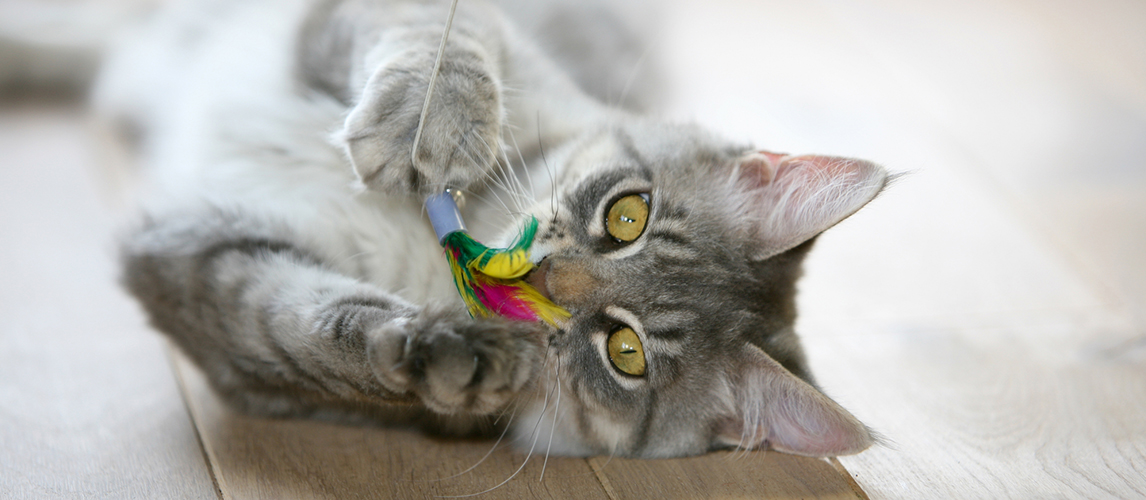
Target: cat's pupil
{"x": 626, "y": 352}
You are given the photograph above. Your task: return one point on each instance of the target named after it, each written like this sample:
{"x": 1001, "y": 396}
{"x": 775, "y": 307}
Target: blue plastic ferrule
{"x": 444, "y": 214}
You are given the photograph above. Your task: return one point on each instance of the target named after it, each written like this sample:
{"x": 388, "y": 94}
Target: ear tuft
{"x": 775, "y": 408}
{"x": 794, "y": 198}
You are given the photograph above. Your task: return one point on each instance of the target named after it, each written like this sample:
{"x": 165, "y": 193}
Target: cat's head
{"x": 677, "y": 255}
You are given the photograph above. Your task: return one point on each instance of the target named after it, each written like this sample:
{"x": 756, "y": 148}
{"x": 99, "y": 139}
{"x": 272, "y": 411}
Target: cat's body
{"x": 286, "y": 250}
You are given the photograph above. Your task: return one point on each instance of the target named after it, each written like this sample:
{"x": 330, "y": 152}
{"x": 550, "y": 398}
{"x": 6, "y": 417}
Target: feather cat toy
{"x": 490, "y": 280}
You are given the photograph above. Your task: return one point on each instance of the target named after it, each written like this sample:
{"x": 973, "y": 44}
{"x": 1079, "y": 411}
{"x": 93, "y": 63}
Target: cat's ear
{"x": 790, "y": 199}
{"x": 773, "y": 408}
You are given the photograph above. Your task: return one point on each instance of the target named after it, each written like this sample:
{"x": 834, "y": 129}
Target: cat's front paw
{"x": 458, "y": 364}
{"x": 460, "y": 141}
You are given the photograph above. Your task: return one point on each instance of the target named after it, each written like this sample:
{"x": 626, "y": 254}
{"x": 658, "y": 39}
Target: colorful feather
{"x": 490, "y": 280}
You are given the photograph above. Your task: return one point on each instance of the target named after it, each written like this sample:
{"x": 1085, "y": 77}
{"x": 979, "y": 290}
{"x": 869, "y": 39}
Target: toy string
{"x": 489, "y": 280}
{"x": 433, "y": 80}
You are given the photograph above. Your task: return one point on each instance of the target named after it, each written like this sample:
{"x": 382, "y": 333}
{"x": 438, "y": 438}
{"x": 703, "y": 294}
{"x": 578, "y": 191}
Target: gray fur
{"x": 280, "y": 333}
{"x": 286, "y": 319}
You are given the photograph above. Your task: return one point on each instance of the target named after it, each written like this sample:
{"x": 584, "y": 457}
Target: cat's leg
{"x": 378, "y": 57}
{"x": 279, "y": 332}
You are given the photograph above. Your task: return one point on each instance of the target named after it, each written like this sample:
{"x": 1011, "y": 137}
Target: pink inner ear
{"x": 758, "y": 168}
{"x": 796, "y": 197}
{"x": 815, "y": 429}
{"x": 823, "y": 179}
{"x": 778, "y": 409}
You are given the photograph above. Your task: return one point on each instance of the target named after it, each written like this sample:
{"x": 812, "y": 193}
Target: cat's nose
{"x": 538, "y": 277}
{"x": 567, "y": 282}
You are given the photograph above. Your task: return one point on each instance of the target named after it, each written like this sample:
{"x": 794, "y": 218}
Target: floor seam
{"x": 597, "y": 471}
{"x": 860, "y": 493}
{"x": 208, "y": 453}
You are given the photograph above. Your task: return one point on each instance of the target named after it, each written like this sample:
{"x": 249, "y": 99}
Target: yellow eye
{"x": 626, "y": 352}
{"x": 627, "y": 217}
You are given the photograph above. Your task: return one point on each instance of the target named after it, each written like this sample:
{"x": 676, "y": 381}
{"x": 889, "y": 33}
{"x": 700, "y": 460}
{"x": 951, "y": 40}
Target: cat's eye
{"x": 626, "y": 352}
{"x": 627, "y": 217}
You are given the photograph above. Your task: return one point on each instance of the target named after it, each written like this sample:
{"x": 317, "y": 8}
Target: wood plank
{"x": 726, "y": 475}
{"x": 1028, "y": 400}
{"x": 945, "y": 314}
{"x": 287, "y": 459}
{"x": 1103, "y": 225}
{"x": 260, "y": 458}
{"x": 88, "y": 404}
{"x": 1003, "y": 412}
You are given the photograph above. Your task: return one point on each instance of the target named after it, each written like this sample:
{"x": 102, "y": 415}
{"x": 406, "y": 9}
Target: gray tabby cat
{"x": 286, "y": 252}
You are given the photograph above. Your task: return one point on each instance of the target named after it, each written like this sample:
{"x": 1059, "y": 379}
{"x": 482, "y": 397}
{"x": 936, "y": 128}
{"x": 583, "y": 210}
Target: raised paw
{"x": 460, "y": 140}
{"x": 457, "y": 364}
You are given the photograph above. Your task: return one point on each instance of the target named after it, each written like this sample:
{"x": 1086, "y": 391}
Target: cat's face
{"x": 677, "y": 256}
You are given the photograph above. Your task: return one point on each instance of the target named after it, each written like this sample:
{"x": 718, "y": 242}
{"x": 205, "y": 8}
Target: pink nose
{"x": 537, "y": 278}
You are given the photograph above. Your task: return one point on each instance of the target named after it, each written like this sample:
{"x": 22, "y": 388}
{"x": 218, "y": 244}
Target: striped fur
{"x": 285, "y": 252}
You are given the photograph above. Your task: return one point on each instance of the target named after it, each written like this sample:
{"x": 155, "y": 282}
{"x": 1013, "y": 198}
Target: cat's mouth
{"x": 537, "y": 278}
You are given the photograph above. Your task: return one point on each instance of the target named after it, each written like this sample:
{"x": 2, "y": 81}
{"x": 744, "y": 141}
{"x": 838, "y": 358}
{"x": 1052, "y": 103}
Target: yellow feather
{"x": 506, "y": 265}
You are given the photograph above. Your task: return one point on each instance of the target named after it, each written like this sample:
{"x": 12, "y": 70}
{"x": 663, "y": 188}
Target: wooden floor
{"x": 987, "y": 314}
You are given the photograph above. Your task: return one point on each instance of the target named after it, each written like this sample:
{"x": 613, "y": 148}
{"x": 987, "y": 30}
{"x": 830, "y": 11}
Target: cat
{"x": 285, "y": 250}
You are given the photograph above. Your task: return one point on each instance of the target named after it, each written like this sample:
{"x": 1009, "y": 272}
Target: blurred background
{"x": 987, "y": 314}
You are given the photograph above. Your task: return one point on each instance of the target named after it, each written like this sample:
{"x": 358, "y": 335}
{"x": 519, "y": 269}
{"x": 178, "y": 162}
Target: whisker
{"x": 612, "y": 453}
{"x": 633, "y": 76}
{"x": 512, "y": 184}
{"x": 744, "y": 437}
{"x": 359, "y": 254}
{"x": 511, "y": 406}
{"x": 509, "y": 183}
{"x": 524, "y": 164}
{"x": 486, "y": 200}
{"x": 524, "y": 168}
{"x": 519, "y": 191}
{"x": 493, "y": 192}
{"x": 554, "y": 206}
{"x": 493, "y": 178}
{"x": 755, "y": 429}
{"x": 488, "y": 453}
{"x": 534, "y": 434}
{"x": 556, "y": 413}
{"x": 526, "y": 199}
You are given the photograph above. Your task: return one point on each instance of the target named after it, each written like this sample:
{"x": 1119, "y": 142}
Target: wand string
{"x": 489, "y": 280}
{"x": 433, "y": 80}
